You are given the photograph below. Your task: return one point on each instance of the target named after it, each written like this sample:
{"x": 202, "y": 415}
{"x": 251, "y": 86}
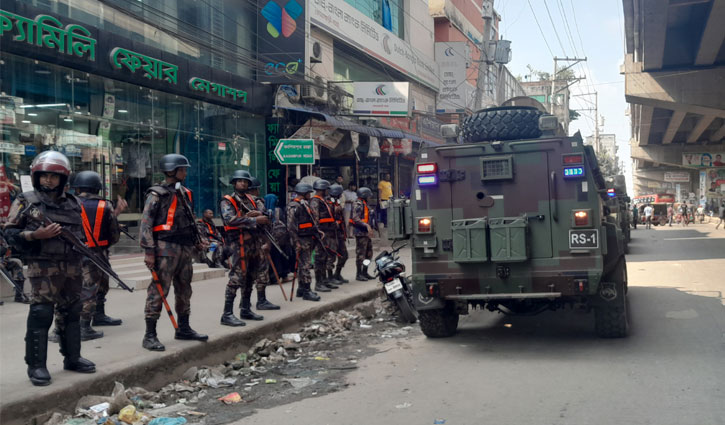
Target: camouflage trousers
{"x": 261, "y": 279}
{"x": 95, "y": 287}
{"x": 177, "y": 270}
{"x": 323, "y": 256}
{"x": 363, "y": 249}
{"x": 56, "y": 282}
{"x": 340, "y": 245}
{"x": 247, "y": 267}
{"x": 303, "y": 261}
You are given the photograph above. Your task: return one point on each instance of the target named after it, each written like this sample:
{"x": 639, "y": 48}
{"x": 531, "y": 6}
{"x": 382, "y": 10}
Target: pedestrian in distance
{"x": 349, "y": 196}
{"x": 635, "y": 215}
{"x": 54, "y": 268}
{"x": 340, "y": 234}
{"x": 302, "y": 228}
{"x": 168, "y": 236}
{"x": 721, "y": 215}
{"x": 325, "y": 222}
{"x": 242, "y": 221}
{"x": 670, "y": 214}
{"x": 684, "y": 213}
{"x": 360, "y": 221}
{"x": 648, "y": 210}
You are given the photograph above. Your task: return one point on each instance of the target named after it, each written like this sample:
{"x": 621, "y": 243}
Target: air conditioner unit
{"x": 316, "y": 52}
{"x": 315, "y": 91}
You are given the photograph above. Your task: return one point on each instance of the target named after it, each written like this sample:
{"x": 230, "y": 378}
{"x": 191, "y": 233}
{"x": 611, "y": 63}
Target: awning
{"x": 345, "y": 124}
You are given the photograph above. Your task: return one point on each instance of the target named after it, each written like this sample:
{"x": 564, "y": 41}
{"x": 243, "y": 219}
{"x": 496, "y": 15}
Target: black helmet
{"x": 50, "y": 162}
{"x": 87, "y": 180}
{"x": 303, "y": 188}
{"x": 172, "y": 161}
{"x": 241, "y": 175}
{"x": 364, "y": 193}
{"x": 255, "y": 183}
{"x": 321, "y": 184}
{"x": 335, "y": 190}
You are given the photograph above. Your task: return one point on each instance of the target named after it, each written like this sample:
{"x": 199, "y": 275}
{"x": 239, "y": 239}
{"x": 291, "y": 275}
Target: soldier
{"x": 340, "y": 245}
{"x": 241, "y": 222}
{"x": 262, "y": 279}
{"x": 208, "y": 230}
{"x": 361, "y": 223}
{"x": 301, "y": 227}
{"x": 101, "y": 230}
{"x": 325, "y": 220}
{"x": 54, "y": 268}
{"x": 167, "y": 234}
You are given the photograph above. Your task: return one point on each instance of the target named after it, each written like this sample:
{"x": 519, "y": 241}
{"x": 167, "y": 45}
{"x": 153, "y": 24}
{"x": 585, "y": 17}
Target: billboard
{"x": 381, "y": 99}
{"x": 452, "y": 59}
{"x": 703, "y": 159}
{"x": 281, "y": 40}
{"x": 677, "y": 176}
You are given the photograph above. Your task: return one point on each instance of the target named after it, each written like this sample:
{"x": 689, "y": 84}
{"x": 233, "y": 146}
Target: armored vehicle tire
{"x": 439, "y": 323}
{"x": 611, "y": 318}
{"x": 505, "y": 123}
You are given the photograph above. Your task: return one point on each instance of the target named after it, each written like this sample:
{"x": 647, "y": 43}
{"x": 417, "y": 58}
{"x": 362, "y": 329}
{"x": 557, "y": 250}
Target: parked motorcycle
{"x": 389, "y": 271}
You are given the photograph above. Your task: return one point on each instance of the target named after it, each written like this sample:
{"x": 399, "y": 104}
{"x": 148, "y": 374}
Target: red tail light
{"x": 425, "y": 225}
{"x": 427, "y": 168}
{"x": 581, "y": 218}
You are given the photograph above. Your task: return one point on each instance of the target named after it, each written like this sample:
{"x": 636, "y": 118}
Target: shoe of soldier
{"x": 264, "y": 304}
{"x": 79, "y": 365}
{"x": 185, "y": 332}
{"x": 308, "y": 295}
{"x": 150, "y": 341}
{"x": 228, "y": 317}
{"x": 88, "y": 333}
{"x": 245, "y": 311}
{"x": 100, "y": 318}
{"x": 321, "y": 287}
{"x": 39, "y": 376}
{"x": 341, "y": 279}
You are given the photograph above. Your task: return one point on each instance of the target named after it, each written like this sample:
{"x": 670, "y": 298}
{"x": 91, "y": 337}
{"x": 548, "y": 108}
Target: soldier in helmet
{"x": 339, "y": 243}
{"x": 325, "y": 219}
{"x": 262, "y": 279}
{"x": 361, "y": 223}
{"x": 301, "y": 226}
{"x": 242, "y": 220}
{"x": 54, "y": 268}
{"x": 167, "y": 236}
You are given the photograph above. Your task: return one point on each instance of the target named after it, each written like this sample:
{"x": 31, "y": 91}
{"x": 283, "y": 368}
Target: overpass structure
{"x": 675, "y": 85}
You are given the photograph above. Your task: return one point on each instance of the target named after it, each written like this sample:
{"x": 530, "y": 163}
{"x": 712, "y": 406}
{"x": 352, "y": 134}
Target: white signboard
{"x": 381, "y": 99}
{"x": 677, "y": 176}
{"x": 345, "y": 22}
{"x": 452, "y": 59}
{"x": 6, "y": 147}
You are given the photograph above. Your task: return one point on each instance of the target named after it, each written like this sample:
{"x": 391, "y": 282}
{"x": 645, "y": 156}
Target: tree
{"x": 608, "y": 164}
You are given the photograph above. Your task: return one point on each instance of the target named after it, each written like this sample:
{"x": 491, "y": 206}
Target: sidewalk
{"x": 120, "y": 357}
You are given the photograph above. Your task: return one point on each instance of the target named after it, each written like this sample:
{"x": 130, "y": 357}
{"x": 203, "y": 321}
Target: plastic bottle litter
{"x": 129, "y": 414}
{"x": 168, "y": 421}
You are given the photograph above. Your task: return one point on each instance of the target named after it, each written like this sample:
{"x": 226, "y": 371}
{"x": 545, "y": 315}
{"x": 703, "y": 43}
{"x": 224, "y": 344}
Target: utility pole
{"x": 596, "y": 123}
{"x": 565, "y": 86}
{"x": 482, "y": 63}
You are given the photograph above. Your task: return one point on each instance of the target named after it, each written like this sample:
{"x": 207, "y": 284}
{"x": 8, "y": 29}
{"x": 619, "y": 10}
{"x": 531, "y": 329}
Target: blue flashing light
{"x": 611, "y": 193}
{"x": 428, "y": 180}
{"x": 573, "y": 172}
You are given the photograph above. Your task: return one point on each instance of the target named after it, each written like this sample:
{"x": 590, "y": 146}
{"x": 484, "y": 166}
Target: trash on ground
{"x": 292, "y": 337}
{"x": 168, "y": 421}
{"x": 270, "y": 381}
{"x": 439, "y": 421}
{"x": 403, "y": 405}
{"x": 231, "y": 398}
{"x": 300, "y": 382}
{"x": 129, "y": 414}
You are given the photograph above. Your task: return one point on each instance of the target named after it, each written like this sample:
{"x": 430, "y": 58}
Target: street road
{"x": 551, "y": 368}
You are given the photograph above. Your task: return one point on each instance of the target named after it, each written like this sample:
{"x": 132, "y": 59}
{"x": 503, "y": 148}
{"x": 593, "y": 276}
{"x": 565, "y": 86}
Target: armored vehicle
{"x": 513, "y": 220}
{"x": 618, "y": 206}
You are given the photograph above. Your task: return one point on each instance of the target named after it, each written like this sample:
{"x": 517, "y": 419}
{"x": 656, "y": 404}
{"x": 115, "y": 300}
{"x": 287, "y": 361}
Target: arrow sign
{"x": 295, "y": 151}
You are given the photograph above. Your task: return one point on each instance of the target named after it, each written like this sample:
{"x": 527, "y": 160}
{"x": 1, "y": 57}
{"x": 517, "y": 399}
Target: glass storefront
{"x": 120, "y": 130}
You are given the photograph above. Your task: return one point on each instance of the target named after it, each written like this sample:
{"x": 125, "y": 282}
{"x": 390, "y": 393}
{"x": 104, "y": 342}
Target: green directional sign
{"x": 295, "y": 151}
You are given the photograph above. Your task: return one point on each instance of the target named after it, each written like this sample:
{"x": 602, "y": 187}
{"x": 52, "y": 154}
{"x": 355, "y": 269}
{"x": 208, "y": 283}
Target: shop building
{"x": 115, "y": 85}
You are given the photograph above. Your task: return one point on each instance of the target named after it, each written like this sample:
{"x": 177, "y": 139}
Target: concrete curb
{"x": 155, "y": 374}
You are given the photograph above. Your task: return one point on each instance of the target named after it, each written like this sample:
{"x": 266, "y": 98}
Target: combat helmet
{"x": 88, "y": 181}
{"x": 335, "y": 190}
{"x": 50, "y": 162}
{"x": 172, "y": 161}
{"x": 364, "y": 193}
{"x": 321, "y": 184}
{"x": 303, "y": 188}
{"x": 241, "y": 175}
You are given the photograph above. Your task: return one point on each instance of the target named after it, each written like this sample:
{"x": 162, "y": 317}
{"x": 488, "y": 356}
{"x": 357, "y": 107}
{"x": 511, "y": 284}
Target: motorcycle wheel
{"x": 407, "y": 313}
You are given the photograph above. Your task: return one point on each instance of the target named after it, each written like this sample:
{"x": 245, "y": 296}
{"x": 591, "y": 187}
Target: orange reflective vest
{"x": 93, "y": 240}
{"x": 330, "y": 218}
{"x": 236, "y": 208}
{"x": 171, "y": 212}
{"x": 366, "y": 214}
{"x": 304, "y": 226}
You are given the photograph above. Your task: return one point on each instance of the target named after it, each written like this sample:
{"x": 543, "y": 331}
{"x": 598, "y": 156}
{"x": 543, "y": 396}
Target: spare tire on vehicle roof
{"x": 504, "y": 123}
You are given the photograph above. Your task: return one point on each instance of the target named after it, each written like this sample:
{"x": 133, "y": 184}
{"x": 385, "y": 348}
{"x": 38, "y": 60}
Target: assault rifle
{"x": 269, "y": 236}
{"x": 198, "y": 239}
{"x": 124, "y": 230}
{"x": 79, "y": 247}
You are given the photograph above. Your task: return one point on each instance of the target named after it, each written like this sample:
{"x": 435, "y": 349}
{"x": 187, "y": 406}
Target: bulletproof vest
{"x": 327, "y": 219}
{"x": 171, "y": 223}
{"x": 303, "y": 219}
{"x": 67, "y": 213}
{"x": 96, "y": 217}
{"x": 242, "y": 205}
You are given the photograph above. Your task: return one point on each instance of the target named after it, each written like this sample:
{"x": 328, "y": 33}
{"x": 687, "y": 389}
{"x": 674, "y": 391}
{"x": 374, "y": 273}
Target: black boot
{"x": 150, "y": 341}
{"x": 263, "y": 303}
{"x": 100, "y": 318}
{"x": 306, "y": 294}
{"x": 70, "y": 343}
{"x": 246, "y": 309}
{"x": 185, "y": 332}
{"x": 338, "y": 275}
{"x": 40, "y": 318}
{"x": 359, "y": 276}
{"x": 331, "y": 282}
{"x": 364, "y": 269}
{"x": 88, "y": 333}
{"x": 320, "y": 285}
{"x": 228, "y": 317}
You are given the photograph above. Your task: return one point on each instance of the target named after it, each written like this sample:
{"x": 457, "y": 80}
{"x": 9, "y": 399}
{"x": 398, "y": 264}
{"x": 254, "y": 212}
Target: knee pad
{"x": 41, "y": 315}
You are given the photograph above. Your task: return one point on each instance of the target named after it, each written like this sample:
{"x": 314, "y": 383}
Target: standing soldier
{"x": 101, "y": 229}
{"x": 361, "y": 223}
{"x": 241, "y": 220}
{"x": 340, "y": 244}
{"x": 168, "y": 237}
{"x": 302, "y": 227}
{"x": 325, "y": 220}
{"x": 54, "y": 268}
{"x": 262, "y": 279}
